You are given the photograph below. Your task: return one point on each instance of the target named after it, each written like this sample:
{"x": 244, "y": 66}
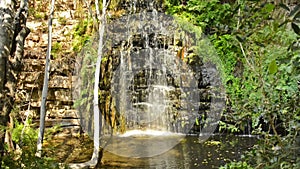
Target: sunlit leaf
{"x": 296, "y": 28}
{"x": 255, "y": 120}
{"x": 273, "y": 67}
{"x": 269, "y": 7}
{"x": 197, "y": 122}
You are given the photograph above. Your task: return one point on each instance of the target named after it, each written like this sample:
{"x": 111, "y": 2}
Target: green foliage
{"x": 293, "y": 17}
{"x": 24, "y": 155}
{"x": 84, "y": 101}
{"x": 261, "y": 65}
{"x": 210, "y": 15}
{"x": 236, "y": 165}
{"x": 82, "y": 34}
{"x": 30, "y": 135}
{"x": 56, "y": 49}
{"x": 62, "y": 20}
{"x": 37, "y": 13}
{"x": 113, "y": 5}
{"x": 229, "y": 127}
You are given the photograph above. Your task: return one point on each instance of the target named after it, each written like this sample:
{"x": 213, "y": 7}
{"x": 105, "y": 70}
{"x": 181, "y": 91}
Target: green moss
{"x": 56, "y": 49}
{"x": 82, "y": 33}
{"x": 62, "y": 20}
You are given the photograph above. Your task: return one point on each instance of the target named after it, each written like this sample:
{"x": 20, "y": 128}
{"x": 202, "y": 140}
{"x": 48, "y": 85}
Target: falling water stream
{"x": 156, "y": 93}
{"x": 166, "y": 92}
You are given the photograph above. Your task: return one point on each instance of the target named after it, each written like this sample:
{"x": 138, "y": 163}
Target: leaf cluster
{"x": 24, "y": 155}
{"x": 257, "y": 45}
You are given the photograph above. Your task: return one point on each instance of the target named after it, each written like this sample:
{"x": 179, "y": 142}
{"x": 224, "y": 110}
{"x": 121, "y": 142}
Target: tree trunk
{"x": 45, "y": 85}
{"x": 13, "y": 32}
{"x": 97, "y": 153}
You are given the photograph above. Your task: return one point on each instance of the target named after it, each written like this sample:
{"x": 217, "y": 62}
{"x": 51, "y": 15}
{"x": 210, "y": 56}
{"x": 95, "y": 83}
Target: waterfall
{"x": 145, "y": 98}
{"x": 156, "y": 94}
{"x": 156, "y": 85}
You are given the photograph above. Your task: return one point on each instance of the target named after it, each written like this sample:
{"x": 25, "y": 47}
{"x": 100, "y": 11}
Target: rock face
{"x": 60, "y": 100}
{"x": 59, "y": 104}
{"x": 145, "y": 53}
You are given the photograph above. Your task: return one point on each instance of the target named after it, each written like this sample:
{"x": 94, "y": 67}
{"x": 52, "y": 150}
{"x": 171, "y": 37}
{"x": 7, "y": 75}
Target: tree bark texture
{"x": 13, "y": 32}
{"x": 45, "y": 85}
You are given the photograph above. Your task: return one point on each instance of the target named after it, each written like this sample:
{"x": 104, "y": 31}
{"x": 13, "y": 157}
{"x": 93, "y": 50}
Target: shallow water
{"x": 189, "y": 153}
{"x": 142, "y": 143}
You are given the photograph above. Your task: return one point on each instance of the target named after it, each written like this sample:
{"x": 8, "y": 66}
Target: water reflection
{"x": 143, "y": 143}
{"x": 189, "y": 153}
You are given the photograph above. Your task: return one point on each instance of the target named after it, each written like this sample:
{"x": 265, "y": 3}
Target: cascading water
{"x": 148, "y": 86}
{"x": 153, "y": 99}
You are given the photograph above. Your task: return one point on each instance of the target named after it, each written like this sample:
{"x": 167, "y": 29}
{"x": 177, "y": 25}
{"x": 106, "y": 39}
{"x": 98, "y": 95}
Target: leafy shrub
{"x": 236, "y": 165}
{"x": 261, "y": 61}
{"x": 24, "y": 155}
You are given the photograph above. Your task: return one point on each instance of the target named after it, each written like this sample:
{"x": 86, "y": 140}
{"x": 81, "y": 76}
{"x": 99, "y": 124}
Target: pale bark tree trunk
{"x": 97, "y": 153}
{"x": 45, "y": 85}
{"x": 97, "y": 115}
{"x": 13, "y": 32}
